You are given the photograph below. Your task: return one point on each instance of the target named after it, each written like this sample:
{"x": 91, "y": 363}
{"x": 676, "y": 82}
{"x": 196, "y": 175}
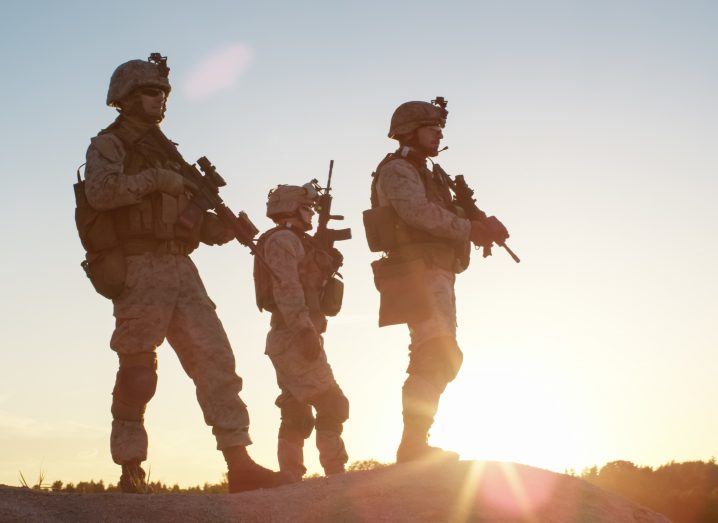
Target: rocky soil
{"x": 451, "y": 492}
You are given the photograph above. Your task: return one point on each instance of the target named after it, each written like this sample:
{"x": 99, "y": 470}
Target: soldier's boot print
{"x": 332, "y": 453}
{"x": 291, "y": 459}
{"x": 243, "y": 473}
{"x": 132, "y": 480}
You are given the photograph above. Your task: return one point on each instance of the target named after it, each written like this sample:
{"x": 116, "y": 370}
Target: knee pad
{"x": 438, "y": 359}
{"x": 135, "y": 385}
{"x": 332, "y": 410}
{"x": 297, "y": 419}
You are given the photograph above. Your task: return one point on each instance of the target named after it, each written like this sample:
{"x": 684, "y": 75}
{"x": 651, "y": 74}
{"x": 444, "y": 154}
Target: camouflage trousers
{"x": 301, "y": 378}
{"x": 164, "y": 298}
{"x": 442, "y": 322}
{"x": 433, "y": 348}
{"x": 306, "y": 384}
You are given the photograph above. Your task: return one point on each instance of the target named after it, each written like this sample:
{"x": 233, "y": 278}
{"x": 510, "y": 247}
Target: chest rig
{"x": 387, "y": 232}
{"x": 153, "y": 222}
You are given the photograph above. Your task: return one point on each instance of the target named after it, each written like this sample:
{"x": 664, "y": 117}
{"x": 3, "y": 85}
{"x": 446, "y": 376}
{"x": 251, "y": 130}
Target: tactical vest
{"x": 316, "y": 270}
{"x": 147, "y": 225}
{"x": 387, "y": 232}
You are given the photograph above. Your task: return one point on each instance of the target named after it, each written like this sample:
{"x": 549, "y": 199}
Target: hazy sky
{"x": 589, "y": 128}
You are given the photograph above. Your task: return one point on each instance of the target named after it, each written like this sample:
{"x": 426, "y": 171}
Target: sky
{"x": 589, "y": 128}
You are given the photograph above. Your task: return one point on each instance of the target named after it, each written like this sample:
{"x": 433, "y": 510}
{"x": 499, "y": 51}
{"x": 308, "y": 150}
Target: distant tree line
{"x": 684, "y": 492}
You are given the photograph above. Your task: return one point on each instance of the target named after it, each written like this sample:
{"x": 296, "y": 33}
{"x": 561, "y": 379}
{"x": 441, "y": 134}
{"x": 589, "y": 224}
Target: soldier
{"x": 297, "y": 296}
{"x": 131, "y": 178}
{"x": 426, "y": 241}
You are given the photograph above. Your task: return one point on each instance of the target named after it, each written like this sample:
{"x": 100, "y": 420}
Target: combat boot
{"x": 414, "y": 447}
{"x": 244, "y": 474}
{"x": 132, "y": 480}
{"x": 331, "y": 470}
{"x": 290, "y": 455}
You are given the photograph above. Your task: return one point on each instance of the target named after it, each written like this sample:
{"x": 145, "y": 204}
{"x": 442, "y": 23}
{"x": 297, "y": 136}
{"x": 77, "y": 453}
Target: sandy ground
{"x": 452, "y": 492}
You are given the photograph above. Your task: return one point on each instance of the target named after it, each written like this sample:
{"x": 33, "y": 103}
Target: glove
{"x": 310, "y": 343}
{"x": 487, "y": 232}
{"x": 172, "y": 183}
{"x": 227, "y": 236}
{"x": 337, "y": 258}
{"x": 499, "y": 233}
{"x": 213, "y": 230}
{"x": 480, "y": 234}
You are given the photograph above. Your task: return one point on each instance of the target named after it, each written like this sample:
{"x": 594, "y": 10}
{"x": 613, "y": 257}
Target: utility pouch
{"x": 332, "y": 296}
{"x": 104, "y": 261}
{"x": 96, "y": 228}
{"x": 380, "y": 228}
{"x": 402, "y": 286}
{"x": 107, "y": 271}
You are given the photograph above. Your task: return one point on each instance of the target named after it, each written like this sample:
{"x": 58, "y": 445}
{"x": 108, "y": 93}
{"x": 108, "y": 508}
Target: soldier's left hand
{"x": 310, "y": 343}
{"x": 228, "y": 236}
{"x": 337, "y": 258}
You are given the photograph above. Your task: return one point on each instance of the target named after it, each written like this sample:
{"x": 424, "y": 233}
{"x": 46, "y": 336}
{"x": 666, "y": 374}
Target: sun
{"x": 505, "y": 414}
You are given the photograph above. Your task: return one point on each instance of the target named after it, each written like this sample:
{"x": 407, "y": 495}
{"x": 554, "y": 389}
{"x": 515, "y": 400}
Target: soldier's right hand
{"x": 498, "y": 231}
{"x": 480, "y": 234}
{"x": 485, "y": 233}
{"x": 173, "y": 183}
{"x": 310, "y": 343}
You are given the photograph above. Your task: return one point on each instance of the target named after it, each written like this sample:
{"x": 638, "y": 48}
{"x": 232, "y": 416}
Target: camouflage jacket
{"x": 301, "y": 269}
{"x": 124, "y": 183}
{"x": 409, "y": 188}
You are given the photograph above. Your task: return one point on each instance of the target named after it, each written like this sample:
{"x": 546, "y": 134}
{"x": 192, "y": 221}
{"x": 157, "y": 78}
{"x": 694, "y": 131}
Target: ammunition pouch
{"x": 386, "y": 232}
{"x": 380, "y": 228}
{"x": 404, "y": 296}
{"x": 332, "y": 297}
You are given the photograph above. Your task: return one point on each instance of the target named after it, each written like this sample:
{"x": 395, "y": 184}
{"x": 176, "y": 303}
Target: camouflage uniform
{"x": 139, "y": 218}
{"x": 434, "y": 353}
{"x": 163, "y": 298}
{"x": 300, "y": 270}
{"x": 425, "y": 241}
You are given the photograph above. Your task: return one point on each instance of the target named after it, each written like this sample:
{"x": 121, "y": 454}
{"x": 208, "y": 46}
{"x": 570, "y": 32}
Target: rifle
{"x": 207, "y": 198}
{"x": 464, "y": 198}
{"x": 324, "y": 235}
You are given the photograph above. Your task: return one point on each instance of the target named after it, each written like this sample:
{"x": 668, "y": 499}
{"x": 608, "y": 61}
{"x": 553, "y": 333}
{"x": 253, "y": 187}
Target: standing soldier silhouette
{"x": 298, "y": 288}
{"x": 426, "y": 241}
{"x": 129, "y": 211}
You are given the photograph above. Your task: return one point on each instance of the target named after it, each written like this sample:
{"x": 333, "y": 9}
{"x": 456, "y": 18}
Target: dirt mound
{"x": 456, "y": 492}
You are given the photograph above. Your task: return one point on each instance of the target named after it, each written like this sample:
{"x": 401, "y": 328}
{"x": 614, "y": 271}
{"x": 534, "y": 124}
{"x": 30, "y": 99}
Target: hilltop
{"x": 456, "y": 492}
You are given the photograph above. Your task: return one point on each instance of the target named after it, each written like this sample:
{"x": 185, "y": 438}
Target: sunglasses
{"x": 151, "y": 91}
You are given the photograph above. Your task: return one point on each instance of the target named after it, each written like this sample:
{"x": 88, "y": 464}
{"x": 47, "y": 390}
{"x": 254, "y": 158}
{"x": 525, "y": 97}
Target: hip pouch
{"x": 403, "y": 290}
{"x": 107, "y": 271}
{"x": 104, "y": 261}
{"x": 332, "y": 296}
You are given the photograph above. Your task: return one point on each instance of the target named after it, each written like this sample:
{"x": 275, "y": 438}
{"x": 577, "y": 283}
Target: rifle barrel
{"x": 329, "y": 180}
{"x": 513, "y": 255}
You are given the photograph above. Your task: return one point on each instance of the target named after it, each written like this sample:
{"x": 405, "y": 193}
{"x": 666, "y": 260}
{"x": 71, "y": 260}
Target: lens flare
{"x": 218, "y": 71}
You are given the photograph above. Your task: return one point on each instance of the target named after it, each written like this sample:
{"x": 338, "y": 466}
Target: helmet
{"x": 287, "y": 199}
{"x": 133, "y": 74}
{"x": 409, "y": 116}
